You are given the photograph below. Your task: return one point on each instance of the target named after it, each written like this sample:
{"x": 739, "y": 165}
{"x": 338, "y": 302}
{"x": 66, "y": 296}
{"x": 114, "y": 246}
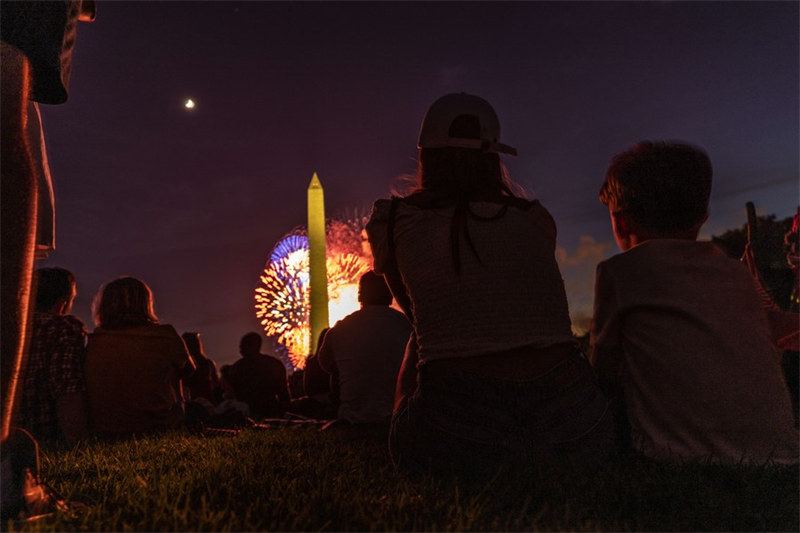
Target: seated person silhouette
{"x": 493, "y": 378}
{"x": 258, "y": 380}
{"x": 133, "y": 364}
{"x": 53, "y": 395}
{"x": 680, "y": 340}
{"x": 204, "y": 381}
{"x": 320, "y": 400}
{"x": 364, "y": 351}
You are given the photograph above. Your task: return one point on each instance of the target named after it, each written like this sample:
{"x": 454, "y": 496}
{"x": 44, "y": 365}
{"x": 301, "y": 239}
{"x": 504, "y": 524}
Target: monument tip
{"x": 315, "y": 183}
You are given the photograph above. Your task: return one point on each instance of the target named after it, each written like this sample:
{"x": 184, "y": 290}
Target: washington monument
{"x": 317, "y": 254}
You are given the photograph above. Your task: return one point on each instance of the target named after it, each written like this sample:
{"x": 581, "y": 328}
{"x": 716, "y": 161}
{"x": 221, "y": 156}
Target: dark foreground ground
{"x": 294, "y": 479}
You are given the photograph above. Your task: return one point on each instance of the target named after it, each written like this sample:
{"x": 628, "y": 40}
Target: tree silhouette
{"x": 769, "y": 251}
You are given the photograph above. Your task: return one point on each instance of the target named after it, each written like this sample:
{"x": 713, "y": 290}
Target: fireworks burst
{"x": 283, "y": 295}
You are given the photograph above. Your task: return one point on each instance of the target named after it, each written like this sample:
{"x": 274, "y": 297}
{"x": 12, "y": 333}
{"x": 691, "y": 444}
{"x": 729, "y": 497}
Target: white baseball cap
{"x": 436, "y": 126}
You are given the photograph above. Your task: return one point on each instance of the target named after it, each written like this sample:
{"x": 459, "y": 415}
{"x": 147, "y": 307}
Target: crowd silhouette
{"x": 480, "y": 371}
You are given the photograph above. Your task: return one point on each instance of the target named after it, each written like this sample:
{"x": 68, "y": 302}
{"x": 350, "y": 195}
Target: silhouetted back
{"x": 204, "y": 381}
{"x": 258, "y": 380}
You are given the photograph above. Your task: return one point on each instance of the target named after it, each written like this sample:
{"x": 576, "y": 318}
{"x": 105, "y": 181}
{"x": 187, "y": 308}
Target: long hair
{"x": 664, "y": 186}
{"x": 52, "y": 285}
{"x": 124, "y": 302}
{"x": 463, "y": 173}
{"x": 457, "y": 176}
{"x": 193, "y": 343}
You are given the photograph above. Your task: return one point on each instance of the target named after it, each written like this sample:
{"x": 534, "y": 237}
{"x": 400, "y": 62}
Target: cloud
{"x": 588, "y": 251}
{"x": 578, "y": 270}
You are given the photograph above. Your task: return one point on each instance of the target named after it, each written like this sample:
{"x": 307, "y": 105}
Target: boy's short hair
{"x": 662, "y": 186}
{"x": 373, "y": 290}
{"x": 250, "y": 343}
{"x": 53, "y": 284}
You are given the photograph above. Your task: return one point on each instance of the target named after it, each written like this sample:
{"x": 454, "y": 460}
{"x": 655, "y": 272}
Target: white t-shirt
{"x": 510, "y": 296}
{"x": 701, "y": 376}
{"x": 367, "y": 348}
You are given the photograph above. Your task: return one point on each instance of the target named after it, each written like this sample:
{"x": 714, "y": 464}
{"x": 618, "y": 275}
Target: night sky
{"x": 192, "y": 201}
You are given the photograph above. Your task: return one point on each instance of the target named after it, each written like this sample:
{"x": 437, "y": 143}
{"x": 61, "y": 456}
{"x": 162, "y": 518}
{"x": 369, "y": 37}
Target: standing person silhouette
{"x": 492, "y": 377}
{"x": 204, "y": 381}
{"x": 52, "y": 405}
{"x": 37, "y": 43}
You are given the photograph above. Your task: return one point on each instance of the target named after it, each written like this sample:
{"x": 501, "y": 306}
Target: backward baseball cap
{"x": 435, "y": 129}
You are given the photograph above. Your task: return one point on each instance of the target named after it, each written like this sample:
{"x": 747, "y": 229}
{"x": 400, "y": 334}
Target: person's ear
{"x": 622, "y": 224}
{"x": 623, "y": 228}
{"x": 695, "y": 230}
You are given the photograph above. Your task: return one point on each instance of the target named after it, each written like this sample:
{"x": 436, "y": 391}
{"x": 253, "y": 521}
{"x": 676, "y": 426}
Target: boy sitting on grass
{"x": 679, "y": 340}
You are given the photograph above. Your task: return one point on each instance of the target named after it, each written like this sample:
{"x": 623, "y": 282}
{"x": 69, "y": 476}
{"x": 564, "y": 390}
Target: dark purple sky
{"x": 192, "y": 202}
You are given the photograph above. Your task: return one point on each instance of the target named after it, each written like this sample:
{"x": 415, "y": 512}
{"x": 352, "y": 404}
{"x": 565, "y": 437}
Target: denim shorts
{"x": 459, "y": 421}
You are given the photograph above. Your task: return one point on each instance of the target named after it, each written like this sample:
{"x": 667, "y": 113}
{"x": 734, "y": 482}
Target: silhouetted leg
{"x": 17, "y": 226}
{"x": 20, "y": 458}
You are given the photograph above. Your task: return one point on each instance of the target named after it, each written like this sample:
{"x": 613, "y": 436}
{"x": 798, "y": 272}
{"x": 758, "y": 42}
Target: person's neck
{"x": 629, "y": 233}
{"x": 638, "y": 235}
{"x": 636, "y": 240}
{"x": 58, "y": 309}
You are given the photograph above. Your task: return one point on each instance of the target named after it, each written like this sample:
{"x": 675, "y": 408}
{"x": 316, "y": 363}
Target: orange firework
{"x": 283, "y": 295}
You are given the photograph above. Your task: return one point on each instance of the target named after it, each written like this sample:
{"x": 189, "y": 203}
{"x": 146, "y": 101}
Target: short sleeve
{"x": 66, "y": 370}
{"x": 545, "y": 220}
{"x": 605, "y": 329}
{"x": 376, "y": 233}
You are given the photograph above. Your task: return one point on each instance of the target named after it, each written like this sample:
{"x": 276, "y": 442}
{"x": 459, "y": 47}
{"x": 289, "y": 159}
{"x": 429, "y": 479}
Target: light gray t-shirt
{"x": 367, "y": 348}
{"x": 510, "y": 296}
{"x": 701, "y": 376}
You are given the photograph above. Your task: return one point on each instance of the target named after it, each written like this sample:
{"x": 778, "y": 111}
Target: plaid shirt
{"x": 54, "y": 368}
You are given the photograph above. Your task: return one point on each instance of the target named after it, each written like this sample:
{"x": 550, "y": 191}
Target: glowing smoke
{"x": 282, "y": 297}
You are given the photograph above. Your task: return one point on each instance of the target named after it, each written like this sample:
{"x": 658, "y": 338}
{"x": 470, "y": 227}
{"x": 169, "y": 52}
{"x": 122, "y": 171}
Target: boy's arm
{"x": 605, "y": 354}
{"x": 607, "y": 363}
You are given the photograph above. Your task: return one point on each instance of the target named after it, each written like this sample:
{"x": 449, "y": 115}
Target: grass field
{"x": 296, "y": 479}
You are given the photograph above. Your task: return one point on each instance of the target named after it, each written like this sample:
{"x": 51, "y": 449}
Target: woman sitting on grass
{"x": 133, "y": 364}
{"x": 493, "y": 377}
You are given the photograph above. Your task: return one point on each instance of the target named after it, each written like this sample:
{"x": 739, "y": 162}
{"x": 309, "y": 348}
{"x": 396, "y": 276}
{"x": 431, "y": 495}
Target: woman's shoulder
{"x": 382, "y": 208}
{"x": 543, "y": 216}
{"x": 170, "y": 337}
{"x": 165, "y": 329}
{"x": 144, "y": 330}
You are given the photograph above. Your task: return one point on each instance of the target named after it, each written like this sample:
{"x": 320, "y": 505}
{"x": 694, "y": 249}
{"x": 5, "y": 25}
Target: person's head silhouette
{"x": 250, "y": 344}
{"x": 372, "y": 290}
